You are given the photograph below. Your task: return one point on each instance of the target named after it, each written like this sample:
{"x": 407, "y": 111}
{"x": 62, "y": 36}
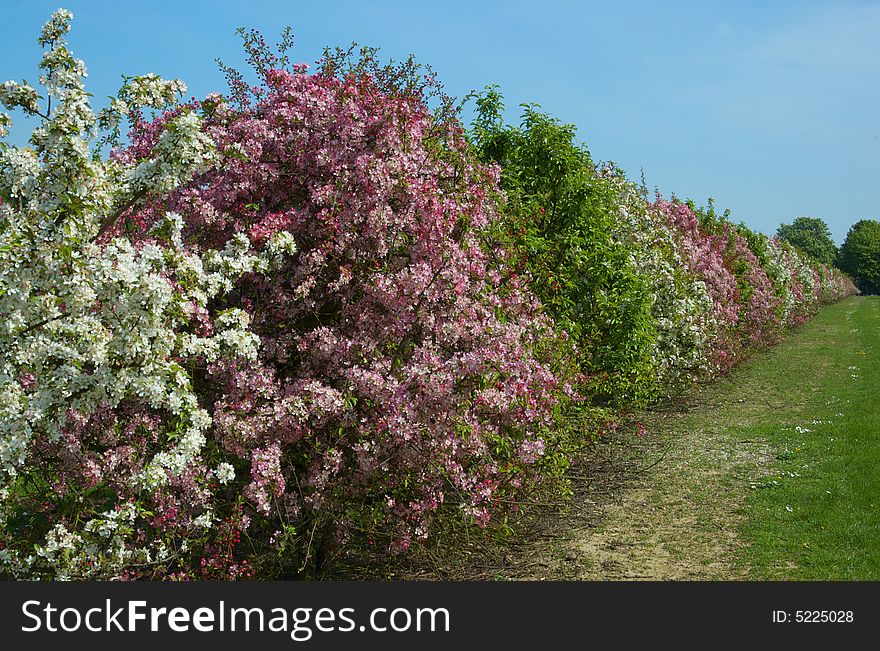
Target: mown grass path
{"x": 770, "y": 473}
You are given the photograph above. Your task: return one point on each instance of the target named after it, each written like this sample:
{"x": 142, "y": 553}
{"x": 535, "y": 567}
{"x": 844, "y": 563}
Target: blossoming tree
{"x": 276, "y": 320}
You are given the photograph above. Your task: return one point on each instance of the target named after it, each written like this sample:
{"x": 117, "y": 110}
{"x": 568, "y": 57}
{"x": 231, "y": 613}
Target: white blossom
{"x": 224, "y": 473}
{"x": 88, "y": 321}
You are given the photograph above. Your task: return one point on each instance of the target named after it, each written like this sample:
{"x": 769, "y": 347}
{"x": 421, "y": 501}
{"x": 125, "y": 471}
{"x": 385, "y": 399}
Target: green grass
{"x": 816, "y": 516}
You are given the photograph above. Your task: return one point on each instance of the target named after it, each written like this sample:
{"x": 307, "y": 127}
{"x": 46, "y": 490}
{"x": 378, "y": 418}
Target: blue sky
{"x": 772, "y": 108}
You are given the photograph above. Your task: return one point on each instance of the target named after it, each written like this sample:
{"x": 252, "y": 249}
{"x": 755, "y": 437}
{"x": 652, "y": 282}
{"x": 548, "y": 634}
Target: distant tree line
{"x": 859, "y": 255}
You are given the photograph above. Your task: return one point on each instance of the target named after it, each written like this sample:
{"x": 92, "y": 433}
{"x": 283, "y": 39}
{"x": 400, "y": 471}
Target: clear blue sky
{"x": 773, "y": 108}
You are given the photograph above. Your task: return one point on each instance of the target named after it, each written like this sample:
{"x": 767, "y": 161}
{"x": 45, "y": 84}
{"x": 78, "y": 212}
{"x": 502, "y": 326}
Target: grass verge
{"x": 816, "y": 515}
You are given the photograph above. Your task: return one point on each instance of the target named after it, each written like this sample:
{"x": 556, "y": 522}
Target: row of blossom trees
{"x": 654, "y": 293}
{"x": 270, "y": 325}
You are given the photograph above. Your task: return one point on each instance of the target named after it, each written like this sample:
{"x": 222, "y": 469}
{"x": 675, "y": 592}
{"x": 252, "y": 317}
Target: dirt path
{"x": 677, "y": 513}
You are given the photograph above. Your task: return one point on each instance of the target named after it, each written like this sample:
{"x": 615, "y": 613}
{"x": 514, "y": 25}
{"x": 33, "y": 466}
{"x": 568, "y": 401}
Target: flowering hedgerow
{"x": 681, "y": 307}
{"x": 269, "y": 325}
{"x": 653, "y": 294}
{"x": 758, "y": 286}
{"x": 275, "y": 319}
